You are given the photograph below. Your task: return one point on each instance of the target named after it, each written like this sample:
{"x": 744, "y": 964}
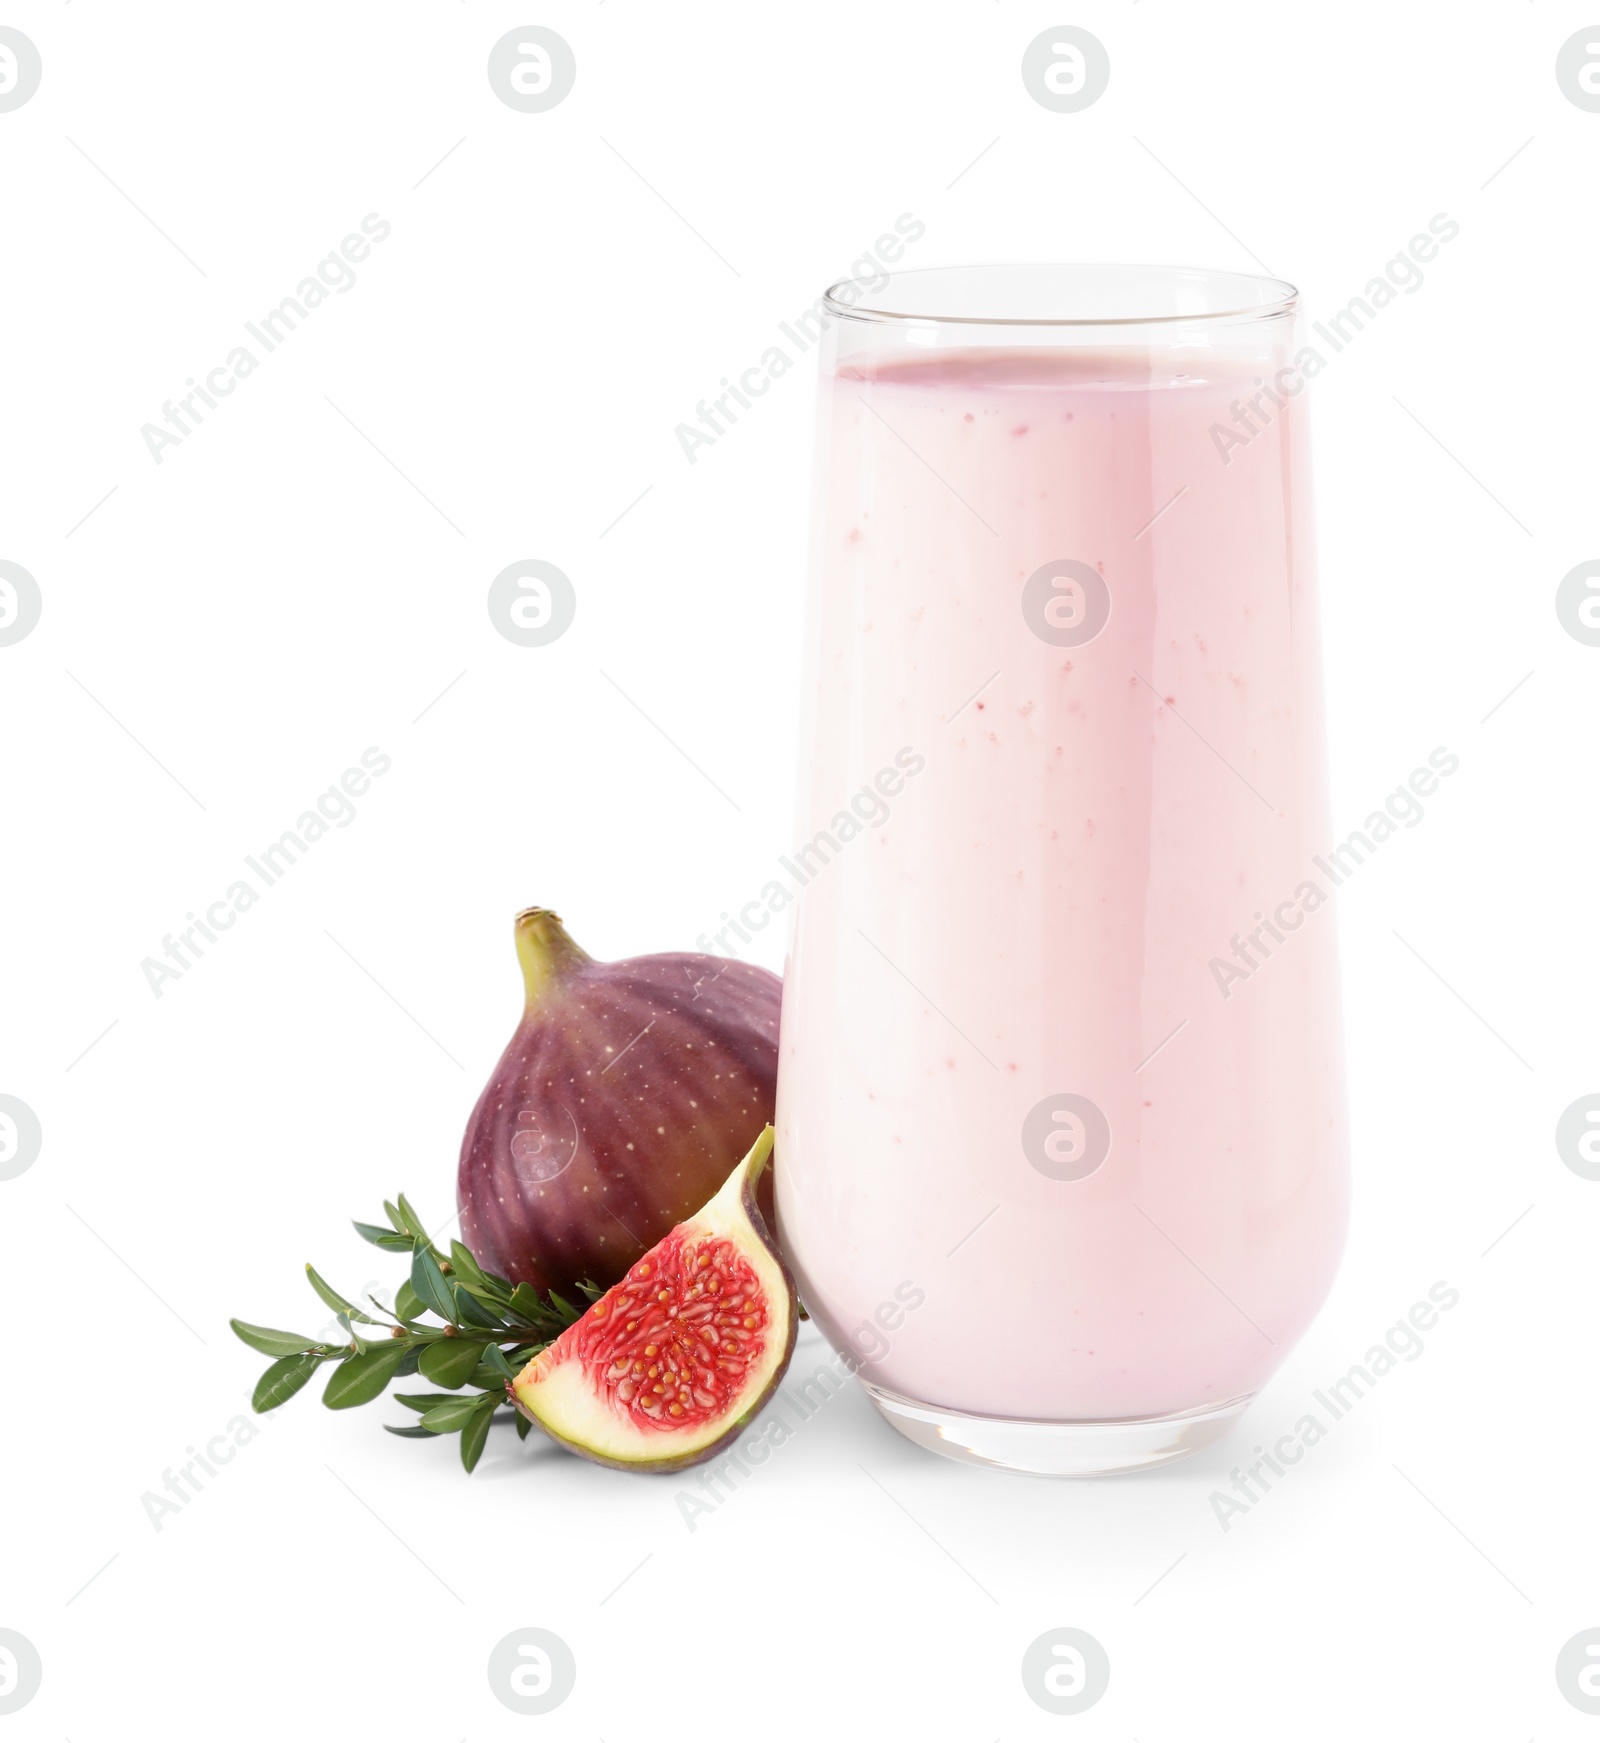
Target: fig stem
{"x": 545, "y": 951}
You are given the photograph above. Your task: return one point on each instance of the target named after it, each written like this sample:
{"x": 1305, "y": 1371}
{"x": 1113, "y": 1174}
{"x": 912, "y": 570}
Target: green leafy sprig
{"x": 461, "y": 1328}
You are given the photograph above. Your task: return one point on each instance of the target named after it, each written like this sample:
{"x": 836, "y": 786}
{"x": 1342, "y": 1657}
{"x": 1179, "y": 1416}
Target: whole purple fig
{"x": 625, "y": 1099}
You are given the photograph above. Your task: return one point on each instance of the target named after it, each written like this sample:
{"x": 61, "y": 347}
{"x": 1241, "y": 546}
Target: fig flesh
{"x": 670, "y": 1364}
{"x": 621, "y": 1104}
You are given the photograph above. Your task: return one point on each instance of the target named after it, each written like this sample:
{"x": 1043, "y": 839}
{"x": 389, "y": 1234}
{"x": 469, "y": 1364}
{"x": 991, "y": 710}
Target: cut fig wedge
{"x": 672, "y": 1362}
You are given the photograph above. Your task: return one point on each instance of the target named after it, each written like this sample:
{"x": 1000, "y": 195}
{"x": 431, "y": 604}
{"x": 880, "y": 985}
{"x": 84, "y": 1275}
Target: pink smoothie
{"x": 1044, "y": 909}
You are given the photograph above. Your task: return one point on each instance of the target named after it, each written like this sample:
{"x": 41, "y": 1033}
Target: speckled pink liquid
{"x": 1088, "y": 830}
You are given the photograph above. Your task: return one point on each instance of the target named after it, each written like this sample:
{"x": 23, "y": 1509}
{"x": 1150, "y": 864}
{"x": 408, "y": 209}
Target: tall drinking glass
{"x": 1061, "y": 1132}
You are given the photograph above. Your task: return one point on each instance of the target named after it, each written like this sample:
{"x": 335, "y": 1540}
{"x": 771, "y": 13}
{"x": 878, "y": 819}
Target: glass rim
{"x": 1275, "y": 299}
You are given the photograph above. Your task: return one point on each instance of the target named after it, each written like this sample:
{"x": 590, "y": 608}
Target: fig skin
{"x": 622, "y": 1103}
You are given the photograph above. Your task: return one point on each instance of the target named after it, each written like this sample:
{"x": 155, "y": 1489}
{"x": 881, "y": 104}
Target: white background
{"x": 227, "y": 631}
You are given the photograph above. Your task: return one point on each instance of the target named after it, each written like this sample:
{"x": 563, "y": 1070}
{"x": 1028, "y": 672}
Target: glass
{"x": 1061, "y": 1131}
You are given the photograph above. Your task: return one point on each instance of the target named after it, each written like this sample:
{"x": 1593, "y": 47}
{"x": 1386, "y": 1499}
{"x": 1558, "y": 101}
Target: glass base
{"x": 1058, "y": 1449}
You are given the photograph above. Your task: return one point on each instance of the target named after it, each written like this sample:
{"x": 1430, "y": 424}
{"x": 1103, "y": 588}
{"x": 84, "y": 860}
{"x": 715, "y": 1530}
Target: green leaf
{"x": 395, "y": 1218}
{"x": 414, "y": 1222}
{"x": 526, "y": 1305}
{"x": 360, "y": 1379}
{"x": 523, "y": 1425}
{"x": 407, "y": 1303}
{"x": 385, "y": 1238}
{"x": 353, "y": 1337}
{"x": 282, "y": 1380}
{"x": 494, "y": 1357}
{"x": 471, "y": 1311}
{"x": 273, "y": 1343}
{"x": 465, "y": 1266}
{"x": 335, "y": 1300}
{"x": 454, "y": 1413}
{"x": 428, "y": 1282}
{"x": 569, "y": 1313}
{"x": 409, "y": 1365}
{"x": 410, "y": 1432}
{"x": 420, "y": 1401}
{"x": 590, "y": 1291}
{"x": 449, "y": 1362}
{"x": 475, "y": 1434}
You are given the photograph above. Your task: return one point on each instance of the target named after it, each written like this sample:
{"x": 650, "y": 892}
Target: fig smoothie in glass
{"x": 1061, "y": 1135}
